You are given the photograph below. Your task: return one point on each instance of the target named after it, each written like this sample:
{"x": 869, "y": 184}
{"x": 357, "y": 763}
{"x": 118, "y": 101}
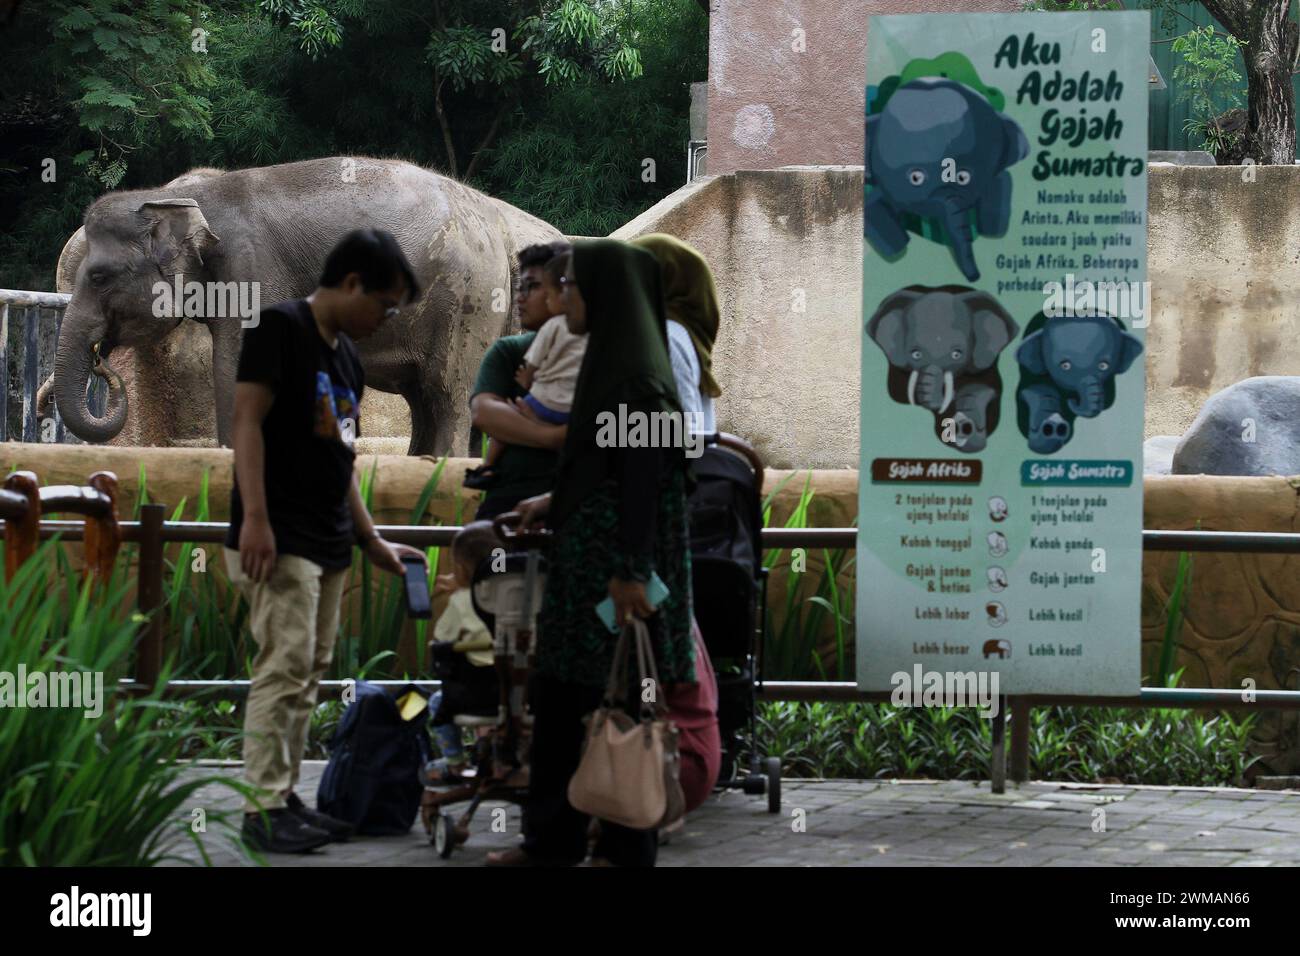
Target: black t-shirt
{"x": 307, "y": 433}
{"x": 522, "y": 471}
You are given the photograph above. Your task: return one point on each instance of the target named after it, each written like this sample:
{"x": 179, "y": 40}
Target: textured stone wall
{"x": 772, "y": 104}
{"x": 1224, "y": 267}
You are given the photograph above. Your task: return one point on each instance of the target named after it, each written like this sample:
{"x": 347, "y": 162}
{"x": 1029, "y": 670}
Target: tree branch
{"x": 1233, "y": 14}
{"x": 447, "y": 141}
{"x": 488, "y": 137}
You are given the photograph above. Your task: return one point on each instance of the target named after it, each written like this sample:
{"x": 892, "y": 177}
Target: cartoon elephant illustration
{"x": 942, "y": 345}
{"x": 938, "y": 150}
{"x": 1049, "y": 429}
{"x": 1081, "y": 354}
{"x": 999, "y": 648}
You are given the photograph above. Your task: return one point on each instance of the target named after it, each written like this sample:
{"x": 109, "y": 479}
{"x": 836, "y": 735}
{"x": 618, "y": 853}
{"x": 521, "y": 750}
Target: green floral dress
{"x": 572, "y": 643}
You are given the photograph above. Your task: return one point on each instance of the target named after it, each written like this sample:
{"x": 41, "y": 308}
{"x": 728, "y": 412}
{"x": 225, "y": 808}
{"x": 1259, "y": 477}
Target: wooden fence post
{"x": 103, "y": 534}
{"x": 148, "y": 657}
{"x": 22, "y": 534}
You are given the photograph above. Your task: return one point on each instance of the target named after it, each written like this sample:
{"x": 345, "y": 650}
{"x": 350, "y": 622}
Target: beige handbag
{"x": 629, "y": 772}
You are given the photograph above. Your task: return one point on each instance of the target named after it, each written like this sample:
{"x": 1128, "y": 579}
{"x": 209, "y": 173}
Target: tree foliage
{"x": 554, "y": 105}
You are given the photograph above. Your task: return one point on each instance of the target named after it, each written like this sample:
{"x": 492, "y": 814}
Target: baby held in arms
{"x": 549, "y": 371}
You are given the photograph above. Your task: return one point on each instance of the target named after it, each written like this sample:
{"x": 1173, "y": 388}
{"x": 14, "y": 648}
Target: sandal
{"x": 440, "y": 773}
{"x": 515, "y": 856}
{"x": 480, "y": 478}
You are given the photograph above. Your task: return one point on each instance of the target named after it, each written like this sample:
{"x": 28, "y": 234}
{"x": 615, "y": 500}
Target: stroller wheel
{"x": 773, "y": 768}
{"x": 444, "y": 838}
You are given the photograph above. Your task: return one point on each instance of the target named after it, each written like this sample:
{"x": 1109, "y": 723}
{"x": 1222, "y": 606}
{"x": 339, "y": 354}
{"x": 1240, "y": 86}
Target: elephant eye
{"x": 1065, "y": 365}
{"x": 916, "y": 354}
{"x": 1102, "y": 366}
{"x": 963, "y": 177}
{"x": 956, "y": 353}
{"x": 916, "y": 177}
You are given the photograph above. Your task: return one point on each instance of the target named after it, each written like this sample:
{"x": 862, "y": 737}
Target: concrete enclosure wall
{"x": 777, "y": 96}
{"x": 1224, "y": 266}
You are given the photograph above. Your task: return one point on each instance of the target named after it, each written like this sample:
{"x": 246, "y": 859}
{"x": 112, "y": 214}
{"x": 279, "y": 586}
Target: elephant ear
{"x": 991, "y": 328}
{"x": 1015, "y": 147}
{"x": 1030, "y": 353}
{"x": 1129, "y": 349}
{"x": 178, "y": 234}
{"x": 888, "y": 327}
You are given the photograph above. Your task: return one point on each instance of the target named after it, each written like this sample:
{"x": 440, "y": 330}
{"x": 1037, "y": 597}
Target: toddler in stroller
{"x": 462, "y": 656}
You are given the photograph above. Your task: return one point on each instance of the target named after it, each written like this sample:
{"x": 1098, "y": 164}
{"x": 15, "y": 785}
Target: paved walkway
{"x": 915, "y": 823}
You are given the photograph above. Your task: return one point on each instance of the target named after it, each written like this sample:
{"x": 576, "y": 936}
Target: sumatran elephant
{"x": 273, "y": 226}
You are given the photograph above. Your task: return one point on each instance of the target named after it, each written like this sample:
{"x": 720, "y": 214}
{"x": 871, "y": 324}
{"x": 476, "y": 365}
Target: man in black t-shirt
{"x": 527, "y": 464}
{"x": 296, "y": 510}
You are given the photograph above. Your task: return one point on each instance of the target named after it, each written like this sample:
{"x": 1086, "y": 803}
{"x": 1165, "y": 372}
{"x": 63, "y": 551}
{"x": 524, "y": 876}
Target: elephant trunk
{"x": 75, "y": 360}
{"x": 956, "y": 222}
{"x": 1088, "y": 402}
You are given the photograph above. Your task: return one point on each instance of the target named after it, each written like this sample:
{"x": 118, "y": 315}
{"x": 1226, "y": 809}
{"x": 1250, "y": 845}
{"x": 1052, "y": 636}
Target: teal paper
{"x": 1000, "y": 493}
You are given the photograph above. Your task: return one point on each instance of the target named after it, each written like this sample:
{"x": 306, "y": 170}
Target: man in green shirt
{"x": 527, "y": 464}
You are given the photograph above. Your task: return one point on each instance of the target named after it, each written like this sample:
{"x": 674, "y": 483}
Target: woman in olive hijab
{"x": 618, "y": 515}
{"x": 691, "y": 305}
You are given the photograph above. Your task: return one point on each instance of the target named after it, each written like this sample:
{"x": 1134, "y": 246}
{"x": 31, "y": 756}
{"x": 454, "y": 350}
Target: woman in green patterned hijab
{"x": 618, "y": 516}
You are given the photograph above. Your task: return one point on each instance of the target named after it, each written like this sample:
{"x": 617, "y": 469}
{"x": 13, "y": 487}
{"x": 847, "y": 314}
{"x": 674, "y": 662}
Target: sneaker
{"x": 281, "y": 832}
{"x": 338, "y": 830}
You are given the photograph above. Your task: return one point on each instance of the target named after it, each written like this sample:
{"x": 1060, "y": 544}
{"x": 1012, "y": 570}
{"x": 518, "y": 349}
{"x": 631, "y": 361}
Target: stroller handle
{"x": 506, "y": 526}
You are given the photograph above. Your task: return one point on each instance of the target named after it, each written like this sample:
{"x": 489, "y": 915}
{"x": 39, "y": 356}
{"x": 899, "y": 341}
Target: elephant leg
{"x": 882, "y": 227}
{"x": 227, "y": 336}
{"x": 993, "y": 211}
{"x": 970, "y": 418}
{"x": 1049, "y": 429}
{"x": 436, "y": 428}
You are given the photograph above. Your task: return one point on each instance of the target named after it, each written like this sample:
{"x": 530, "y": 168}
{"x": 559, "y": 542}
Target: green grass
{"x": 793, "y": 631}
{"x": 1160, "y": 746}
{"x": 79, "y": 788}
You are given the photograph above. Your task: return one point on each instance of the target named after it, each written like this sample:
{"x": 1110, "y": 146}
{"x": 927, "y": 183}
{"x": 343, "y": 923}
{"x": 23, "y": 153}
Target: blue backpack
{"x": 372, "y": 779}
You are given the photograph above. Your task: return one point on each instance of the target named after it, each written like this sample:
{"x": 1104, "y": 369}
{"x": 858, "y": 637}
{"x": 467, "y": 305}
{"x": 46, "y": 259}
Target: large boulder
{"x": 1158, "y": 454}
{"x": 1250, "y": 428}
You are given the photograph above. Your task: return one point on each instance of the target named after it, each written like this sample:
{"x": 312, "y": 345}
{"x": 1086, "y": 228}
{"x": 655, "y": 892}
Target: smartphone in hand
{"x": 416, "y": 576}
{"x": 655, "y": 592}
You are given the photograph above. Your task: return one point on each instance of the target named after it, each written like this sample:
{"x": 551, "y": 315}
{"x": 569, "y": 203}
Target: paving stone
{"x": 885, "y": 823}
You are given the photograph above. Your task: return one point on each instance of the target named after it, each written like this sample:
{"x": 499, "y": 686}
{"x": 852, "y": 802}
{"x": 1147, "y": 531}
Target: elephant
{"x": 1081, "y": 354}
{"x": 938, "y": 150}
{"x": 999, "y": 648}
{"x": 1048, "y": 429}
{"x": 942, "y": 345}
{"x": 272, "y": 227}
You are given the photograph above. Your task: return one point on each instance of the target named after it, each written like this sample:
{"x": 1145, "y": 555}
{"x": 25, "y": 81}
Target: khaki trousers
{"x": 294, "y": 618}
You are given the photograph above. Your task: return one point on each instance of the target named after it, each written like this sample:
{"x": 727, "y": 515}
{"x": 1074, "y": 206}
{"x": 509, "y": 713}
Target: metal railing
{"x": 152, "y": 532}
{"x": 25, "y": 310}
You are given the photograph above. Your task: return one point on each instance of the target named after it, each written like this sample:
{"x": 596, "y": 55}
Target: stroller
{"x": 730, "y": 587}
{"x": 507, "y": 601}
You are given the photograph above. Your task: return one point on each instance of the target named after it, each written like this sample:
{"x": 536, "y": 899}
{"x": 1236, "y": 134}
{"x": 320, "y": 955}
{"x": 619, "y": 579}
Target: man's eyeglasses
{"x": 527, "y": 286}
{"x": 390, "y": 311}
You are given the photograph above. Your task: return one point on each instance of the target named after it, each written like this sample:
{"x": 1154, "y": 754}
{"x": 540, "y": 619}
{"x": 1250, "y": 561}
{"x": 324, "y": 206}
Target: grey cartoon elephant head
{"x": 938, "y": 337}
{"x": 939, "y": 150}
{"x": 1081, "y": 354}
